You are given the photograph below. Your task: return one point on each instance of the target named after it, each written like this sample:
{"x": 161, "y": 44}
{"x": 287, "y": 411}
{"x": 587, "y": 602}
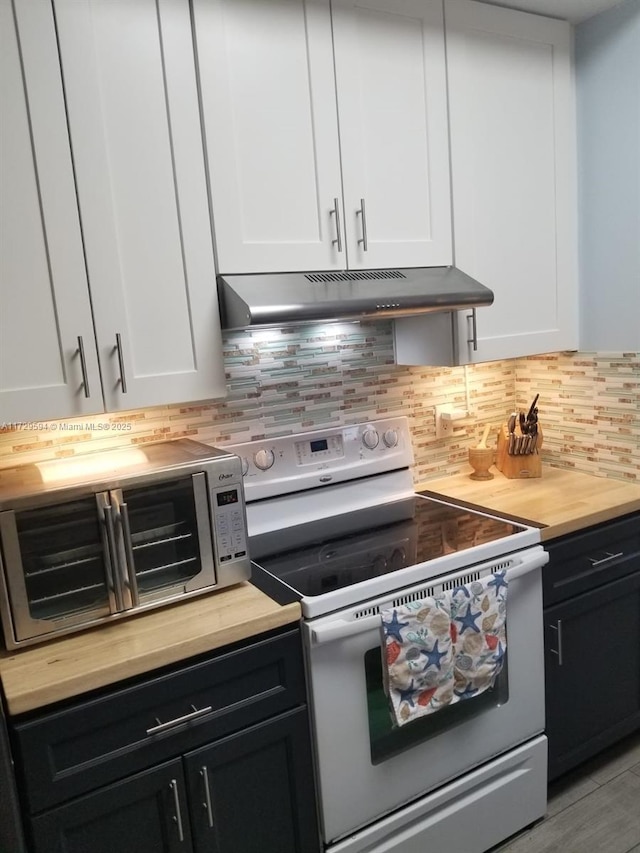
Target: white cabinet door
{"x": 132, "y": 100}
{"x": 512, "y": 116}
{"x": 269, "y": 107}
{"x": 391, "y": 84}
{"x": 44, "y": 299}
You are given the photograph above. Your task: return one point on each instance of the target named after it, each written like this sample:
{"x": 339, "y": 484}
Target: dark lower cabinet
{"x": 210, "y": 757}
{"x": 143, "y": 814}
{"x": 250, "y": 792}
{"x": 592, "y": 642}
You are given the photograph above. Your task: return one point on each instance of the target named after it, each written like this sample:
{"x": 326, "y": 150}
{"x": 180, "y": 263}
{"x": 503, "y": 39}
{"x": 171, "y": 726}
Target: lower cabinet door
{"x": 253, "y": 792}
{"x": 145, "y": 813}
{"x": 592, "y": 672}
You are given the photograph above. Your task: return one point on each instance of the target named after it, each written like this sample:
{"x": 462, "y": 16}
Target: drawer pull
{"x": 207, "y": 796}
{"x": 177, "y": 818}
{"x": 606, "y": 559}
{"x": 558, "y": 628}
{"x": 192, "y": 715}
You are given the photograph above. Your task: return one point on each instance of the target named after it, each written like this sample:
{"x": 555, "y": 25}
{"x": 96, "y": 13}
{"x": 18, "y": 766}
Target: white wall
{"x": 608, "y": 102}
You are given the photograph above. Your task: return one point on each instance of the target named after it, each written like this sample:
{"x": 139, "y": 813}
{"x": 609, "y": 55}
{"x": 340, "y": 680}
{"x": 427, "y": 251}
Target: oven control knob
{"x": 264, "y": 459}
{"x": 390, "y": 437}
{"x": 244, "y": 465}
{"x": 370, "y": 438}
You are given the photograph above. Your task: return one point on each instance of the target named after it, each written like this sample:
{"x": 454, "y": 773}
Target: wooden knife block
{"x": 518, "y": 467}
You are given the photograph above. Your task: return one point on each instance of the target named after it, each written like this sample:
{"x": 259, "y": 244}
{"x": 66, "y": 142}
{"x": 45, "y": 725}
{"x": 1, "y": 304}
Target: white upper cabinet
{"x": 513, "y": 164}
{"x": 45, "y": 313}
{"x": 134, "y": 124}
{"x": 278, "y": 165}
{"x": 391, "y": 86}
{"x": 608, "y": 88}
{"x": 271, "y": 131}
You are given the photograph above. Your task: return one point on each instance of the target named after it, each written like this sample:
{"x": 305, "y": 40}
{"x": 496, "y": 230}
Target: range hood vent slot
{"x": 360, "y": 275}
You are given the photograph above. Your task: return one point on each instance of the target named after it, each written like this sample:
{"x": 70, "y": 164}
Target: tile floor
{"x": 593, "y": 809}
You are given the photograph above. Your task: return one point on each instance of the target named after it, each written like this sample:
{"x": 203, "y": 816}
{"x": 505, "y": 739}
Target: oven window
{"x": 63, "y": 560}
{"x": 164, "y": 534}
{"x": 387, "y": 740}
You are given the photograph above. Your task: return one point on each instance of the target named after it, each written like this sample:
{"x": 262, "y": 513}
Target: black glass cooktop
{"x": 330, "y": 554}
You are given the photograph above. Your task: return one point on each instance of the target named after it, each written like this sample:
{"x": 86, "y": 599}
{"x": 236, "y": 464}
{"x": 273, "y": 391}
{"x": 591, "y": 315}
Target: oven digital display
{"x": 319, "y": 445}
{"x": 226, "y": 498}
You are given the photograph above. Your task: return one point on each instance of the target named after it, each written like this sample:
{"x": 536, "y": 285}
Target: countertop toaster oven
{"x": 105, "y": 535}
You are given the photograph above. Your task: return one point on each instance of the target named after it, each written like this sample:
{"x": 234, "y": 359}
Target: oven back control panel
{"x": 291, "y": 463}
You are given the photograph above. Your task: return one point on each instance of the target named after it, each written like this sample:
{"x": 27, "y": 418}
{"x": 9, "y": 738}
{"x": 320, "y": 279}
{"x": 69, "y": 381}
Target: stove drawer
{"x": 512, "y": 788}
{"x": 88, "y": 743}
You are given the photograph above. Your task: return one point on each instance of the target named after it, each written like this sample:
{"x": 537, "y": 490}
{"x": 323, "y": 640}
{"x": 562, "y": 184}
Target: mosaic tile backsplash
{"x": 293, "y": 379}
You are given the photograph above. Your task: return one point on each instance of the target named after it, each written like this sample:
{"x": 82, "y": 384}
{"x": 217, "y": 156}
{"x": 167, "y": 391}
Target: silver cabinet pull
{"x": 192, "y": 715}
{"x": 558, "y": 629}
{"x": 336, "y": 212}
{"x": 177, "y": 818}
{"x": 111, "y": 539}
{"x": 606, "y": 559}
{"x": 207, "y": 796}
{"x": 118, "y": 349}
{"x": 474, "y": 330}
{"x": 83, "y": 367}
{"x": 128, "y": 550}
{"x": 363, "y": 213}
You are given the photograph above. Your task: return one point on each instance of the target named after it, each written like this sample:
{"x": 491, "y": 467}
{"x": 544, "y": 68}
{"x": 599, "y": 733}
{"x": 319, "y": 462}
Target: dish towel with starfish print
{"x": 479, "y": 634}
{"x": 417, "y": 665}
{"x": 445, "y": 648}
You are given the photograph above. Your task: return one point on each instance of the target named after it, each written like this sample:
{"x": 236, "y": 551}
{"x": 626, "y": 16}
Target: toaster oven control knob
{"x": 390, "y": 437}
{"x": 264, "y": 459}
{"x": 370, "y": 438}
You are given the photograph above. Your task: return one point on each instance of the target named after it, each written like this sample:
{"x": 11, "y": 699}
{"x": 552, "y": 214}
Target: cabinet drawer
{"x": 73, "y": 750}
{"x": 580, "y": 562}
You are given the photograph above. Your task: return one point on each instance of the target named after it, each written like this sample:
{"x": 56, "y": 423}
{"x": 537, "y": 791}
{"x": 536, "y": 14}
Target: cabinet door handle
{"x": 207, "y": 796}
{"x": 336, "y": 212}
{"x": 558, "y": 628}
{"x": 185, "y": 718}
{"x": 177, "y": 818}
{"x": 363, "y": 213}
{"x": 474, "y": 330}
{"x": 606, "y": 559}
{"x": 118, "y": 349}
{"x": 83, "y": 367}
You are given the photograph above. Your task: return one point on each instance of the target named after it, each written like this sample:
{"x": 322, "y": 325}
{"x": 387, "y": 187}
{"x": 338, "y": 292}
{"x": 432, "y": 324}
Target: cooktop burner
{"x": 323, "y": 556}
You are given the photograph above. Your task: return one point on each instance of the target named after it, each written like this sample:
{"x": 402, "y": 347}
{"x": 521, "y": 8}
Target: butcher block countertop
{"x": 560, "y": 501}
{"x": 60, "y": 669}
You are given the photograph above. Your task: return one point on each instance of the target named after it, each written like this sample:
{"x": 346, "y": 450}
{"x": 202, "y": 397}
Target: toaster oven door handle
{"x": 111, "y": 557}
{"x": 128, "y": 553}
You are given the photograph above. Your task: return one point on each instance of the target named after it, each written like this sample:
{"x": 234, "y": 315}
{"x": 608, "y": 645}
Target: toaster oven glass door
{"x": 58, "y": 567}
{"x": 164, "y": 539}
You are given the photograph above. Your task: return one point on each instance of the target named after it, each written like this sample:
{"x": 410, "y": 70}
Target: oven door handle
{"x": 342, "y": 628}
{"x": 534, "y": 560}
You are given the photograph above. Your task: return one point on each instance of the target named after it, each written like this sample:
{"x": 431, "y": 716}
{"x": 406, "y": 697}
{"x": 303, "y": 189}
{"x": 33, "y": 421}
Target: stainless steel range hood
{"x": 275, "y": 299}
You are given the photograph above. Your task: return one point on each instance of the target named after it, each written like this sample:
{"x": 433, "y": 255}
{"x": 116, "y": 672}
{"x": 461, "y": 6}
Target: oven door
{"x": 366, "y": 767}
{"x": 58, "y": 569}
